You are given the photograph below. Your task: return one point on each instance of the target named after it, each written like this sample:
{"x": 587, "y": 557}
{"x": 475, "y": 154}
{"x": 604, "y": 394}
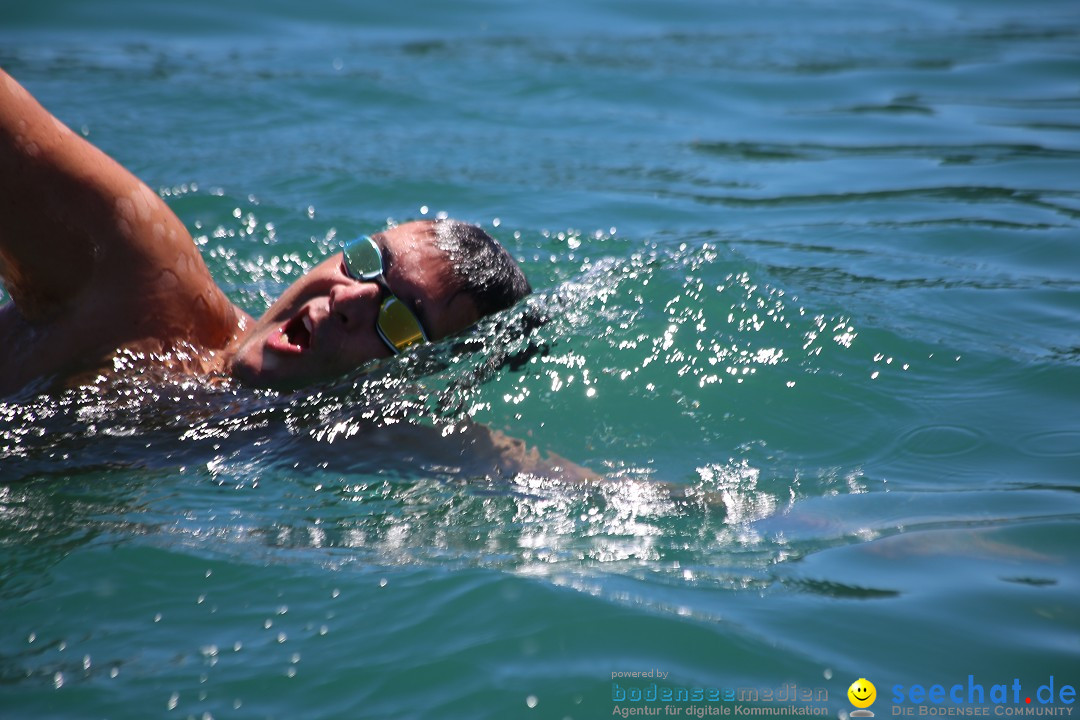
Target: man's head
{"x": 482, "y": 267}
{"x": 450, "y": 274}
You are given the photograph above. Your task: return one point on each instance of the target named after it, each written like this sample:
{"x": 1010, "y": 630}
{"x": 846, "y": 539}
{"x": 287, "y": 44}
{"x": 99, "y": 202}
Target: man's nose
{"x": 355, "y": 304}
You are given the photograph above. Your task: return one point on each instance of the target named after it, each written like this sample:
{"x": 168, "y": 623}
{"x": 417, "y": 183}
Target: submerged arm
{"x": 509, "y": 456}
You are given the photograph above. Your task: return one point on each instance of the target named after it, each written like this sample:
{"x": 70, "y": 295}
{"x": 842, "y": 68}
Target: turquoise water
{"x": 819, "y": 260}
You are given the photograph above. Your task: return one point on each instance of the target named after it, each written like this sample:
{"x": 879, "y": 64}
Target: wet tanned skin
{"x": 93, "y": 259}
{"x": 324, "y": 324}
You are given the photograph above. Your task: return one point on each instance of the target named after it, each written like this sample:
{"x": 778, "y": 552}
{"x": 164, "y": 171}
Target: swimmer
{"x": 96, "y": 263}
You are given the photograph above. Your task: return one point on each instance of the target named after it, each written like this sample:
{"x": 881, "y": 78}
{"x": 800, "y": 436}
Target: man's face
{"x": 323, "y": 325}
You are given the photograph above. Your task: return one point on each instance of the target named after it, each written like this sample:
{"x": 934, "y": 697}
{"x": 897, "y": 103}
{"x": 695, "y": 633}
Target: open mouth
{"x": 297, "y": 332}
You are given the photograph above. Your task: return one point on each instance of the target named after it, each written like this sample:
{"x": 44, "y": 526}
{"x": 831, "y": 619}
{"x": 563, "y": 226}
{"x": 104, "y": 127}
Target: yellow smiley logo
{"x": 862, "y": 693}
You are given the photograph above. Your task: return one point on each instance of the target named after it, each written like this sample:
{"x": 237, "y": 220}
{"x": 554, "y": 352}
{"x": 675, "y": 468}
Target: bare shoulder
{"x": 92, "y": 258}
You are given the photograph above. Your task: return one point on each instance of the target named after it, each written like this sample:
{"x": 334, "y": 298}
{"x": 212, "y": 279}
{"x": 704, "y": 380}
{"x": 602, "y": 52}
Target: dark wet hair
{"x": 483, "y": 267}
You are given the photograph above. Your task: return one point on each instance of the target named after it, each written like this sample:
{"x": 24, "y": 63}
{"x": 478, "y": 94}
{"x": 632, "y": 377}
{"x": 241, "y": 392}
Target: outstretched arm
{"x": 510, "y": 457}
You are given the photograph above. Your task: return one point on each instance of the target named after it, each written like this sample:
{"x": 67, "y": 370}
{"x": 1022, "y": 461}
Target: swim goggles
{"x": 397, "y": 325}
